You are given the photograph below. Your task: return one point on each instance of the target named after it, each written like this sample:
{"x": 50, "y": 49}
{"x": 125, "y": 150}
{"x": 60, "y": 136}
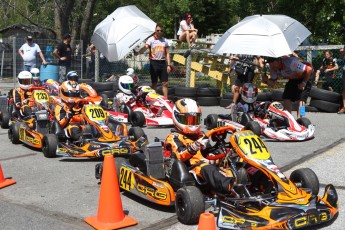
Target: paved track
{"x": 59, "y": 193}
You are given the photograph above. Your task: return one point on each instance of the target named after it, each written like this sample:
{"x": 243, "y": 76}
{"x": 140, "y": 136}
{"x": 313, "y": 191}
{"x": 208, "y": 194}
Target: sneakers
{"x": 342, "y": 111}
{"x": 230, "y": 106}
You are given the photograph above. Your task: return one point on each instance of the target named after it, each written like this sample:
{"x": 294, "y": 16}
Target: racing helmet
{"x": 35, "y": 74}
{"x": 72, "y": 76}
{"x": 69, "y": 91}
{"x": 25, "y": 79}
{"x": 276, "y": 105}
{"x": 130, "y": 72}
{"x": 142, "y": 91}
{"x": 126, "y": 84}
{"x": 186, "y": 116}
{"x": 249, "y": 93}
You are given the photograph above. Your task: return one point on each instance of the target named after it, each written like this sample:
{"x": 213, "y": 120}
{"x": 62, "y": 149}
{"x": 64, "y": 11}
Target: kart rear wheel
{"x": 211, "y": 121}
{"x": 5, "y": 119}
{"x": 189, "y": 204}
{"x": 306, "y": 178}
{"x": 135, "y": 133}
{"x": 253, "y": 126}
{"x": 304, "y": 121}
{"x": 137, "y": 119}
{"x": 13, "y": 133}
{"x": 49, "y": 145}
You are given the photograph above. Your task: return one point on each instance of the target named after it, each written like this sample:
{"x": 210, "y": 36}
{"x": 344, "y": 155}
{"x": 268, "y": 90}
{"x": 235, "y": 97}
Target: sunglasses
{"x": 159, "y": 30}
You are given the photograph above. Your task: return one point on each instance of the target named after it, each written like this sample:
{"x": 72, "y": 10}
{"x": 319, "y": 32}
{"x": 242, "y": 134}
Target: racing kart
{"x": 261, "y": 198}
{"x": 275, "y": 122}
{"x": 100, "y": 135}
{"x": 152, "y": 109}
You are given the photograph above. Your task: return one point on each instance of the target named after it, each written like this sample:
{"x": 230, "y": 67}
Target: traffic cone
{"x": 3, "y": 181}
{"x": 207, "y": 222}
{"x": 110, "y": 214}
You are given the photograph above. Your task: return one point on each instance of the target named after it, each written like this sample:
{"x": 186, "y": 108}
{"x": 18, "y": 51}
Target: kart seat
{"x": 154, "y": 160}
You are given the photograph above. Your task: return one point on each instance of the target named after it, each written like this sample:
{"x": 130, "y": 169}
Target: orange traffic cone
{"x": 206, "y": 222}
{"x": 110, "y": 214}
{"x": 5, "y": 182}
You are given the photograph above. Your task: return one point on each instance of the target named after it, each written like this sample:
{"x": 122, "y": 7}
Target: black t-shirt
{"x": 65, "y": 51}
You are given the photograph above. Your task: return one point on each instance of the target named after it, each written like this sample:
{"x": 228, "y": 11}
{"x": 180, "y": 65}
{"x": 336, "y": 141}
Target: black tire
{"x": 182, "y": 97}
{"x": 185, "y": 92}
{"x": 109, "y": 93}
{"x": 277, "y": 94}
{"x": 211, "y": 121}
{"x": 189, "y": 204}
{"x": 228, "y": 96}
{"x": 208, "y": 101}
{"x": 304, "y": 121}
{"x": 5, "y": 119}
{"x": 306, "y": 178}
{"x": 105, "y": 101}
{"x": 225, "y": 102}
{"x": 264, "y": 96}
{"x": 171, "y": 90}
{"x": 325, "y": 106}
{"x": 207, "y": 92}
{"x": 13, "y": 133}
{"x": 49, "y": 145}
{"x": 135, "y": 133}
{"x": 137, "y": 119}
{"x": 253, "y": 126}
{"x": 309, "y": 108}
{"x": 325, "y": 95}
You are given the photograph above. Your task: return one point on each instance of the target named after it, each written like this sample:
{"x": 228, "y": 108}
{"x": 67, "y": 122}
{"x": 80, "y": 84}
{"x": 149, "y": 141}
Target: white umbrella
{"x": 122, "y": 31}
{"x": 263, "y": 35}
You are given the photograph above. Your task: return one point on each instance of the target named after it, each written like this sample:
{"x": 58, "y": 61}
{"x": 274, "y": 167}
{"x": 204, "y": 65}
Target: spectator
{"x": 296, "y": 72}
{"x": 341, "y": 62}
{"x": 64, "y": 53}
{"x": 187, "y": 32}
{"x": 90, "y": 60}
{"x": 159, "y": 58}
{"x": 327, "y": 70}
{"x": 187, "y": 142}
{"x": 28, "y": 52}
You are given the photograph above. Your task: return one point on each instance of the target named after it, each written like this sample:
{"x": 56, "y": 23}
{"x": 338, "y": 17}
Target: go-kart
{"x": 100, "y": 135}
{"x": 275, "y": 122}
{"x": 261, "y": 198}
{"x": 152, "y": 109}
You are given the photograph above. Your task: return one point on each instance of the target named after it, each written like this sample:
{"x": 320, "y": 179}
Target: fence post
{"x": 309, "y": 56}
{"x": 14, "y": 60}
{"x": 96, "y": 65}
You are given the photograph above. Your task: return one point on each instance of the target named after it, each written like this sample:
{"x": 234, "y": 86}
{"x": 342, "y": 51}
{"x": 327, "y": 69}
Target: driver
{"x": 186, "y": 143}
{"x": 36, "y": 77}
{"x": 68, "y": 112}
{"x": 22, "y": 95}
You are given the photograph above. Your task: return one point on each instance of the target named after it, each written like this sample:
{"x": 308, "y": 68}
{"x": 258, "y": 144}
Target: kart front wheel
{"x": 211, "y": 121}
{"x": 306, "y": 178}
{"x": 49, "y": 145}
{"x": 304, "y": 121}
{"x": 13, "y": 133}
{"x": 189, "y": 204}
{"x": 137, "y": 119}
{"x": 5, "y": 120}
{"x": 253, "y": 126}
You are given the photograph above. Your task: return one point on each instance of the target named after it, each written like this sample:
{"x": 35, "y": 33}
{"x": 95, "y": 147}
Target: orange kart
{"x": 262, "y": 197}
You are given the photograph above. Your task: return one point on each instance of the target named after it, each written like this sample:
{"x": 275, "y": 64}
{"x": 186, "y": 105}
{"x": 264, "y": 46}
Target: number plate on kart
{"x": 252, "y": 146}
{"x": 41, "y": 96}
{"x": 126, "y": 180}
{"x": 95, "y": 112}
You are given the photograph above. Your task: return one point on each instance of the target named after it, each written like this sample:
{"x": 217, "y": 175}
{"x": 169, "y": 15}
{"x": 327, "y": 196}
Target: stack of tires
{"x": 262, "y": 96}
{"x": 171, "y": 92}
{"x": 104, "y": 88}
{"x": 324, "y": 100}
{"x": 205, "y": 96}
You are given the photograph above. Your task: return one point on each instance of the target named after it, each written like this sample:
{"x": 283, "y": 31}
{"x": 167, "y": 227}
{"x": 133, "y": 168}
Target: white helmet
{"x": 126, "y": 84}
{"x": 35, "y": 74}
{"x": 187, "y": 116}
{"x": 249, "y": 93}
{"x": 25, "y": 79}
{"x": 130, "y": 72}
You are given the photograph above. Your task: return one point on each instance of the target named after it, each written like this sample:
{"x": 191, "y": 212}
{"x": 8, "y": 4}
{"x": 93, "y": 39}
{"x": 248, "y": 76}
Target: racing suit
{"x": 70, "y": 119}
{"x": 22, "y": 102}
{"x": 180, "y": 147}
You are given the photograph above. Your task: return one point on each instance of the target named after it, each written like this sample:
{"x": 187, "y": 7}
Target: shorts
{"x": 240, "y": 80}
{"x": 158, "y": 69}
{"x": 291, "y": 91}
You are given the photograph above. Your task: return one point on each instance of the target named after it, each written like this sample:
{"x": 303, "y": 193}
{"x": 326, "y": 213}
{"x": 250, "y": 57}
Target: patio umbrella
{"x": 122, "y": 31}
{"x": 263, "y": 35}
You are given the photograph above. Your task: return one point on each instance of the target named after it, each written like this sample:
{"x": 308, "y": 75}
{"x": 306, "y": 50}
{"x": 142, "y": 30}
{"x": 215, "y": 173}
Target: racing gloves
{"x": 197, "y": 145}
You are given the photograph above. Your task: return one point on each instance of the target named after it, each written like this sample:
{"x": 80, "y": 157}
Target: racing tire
{"x": 189, "y": 204}
{"x": 135, "y": 133}
{"x": 303, "y": 121}
{"x": 137, "y": 119}
{"x": 228, "y": 96}
{"x": 207, "y": 92}
{"x": 211, "y": 121}
{"x": 225, "y": 102}
{"x": 306, "y": 178}
{"x": 13, "y": 133}
{"x": 49, "y": 145}
{"x": 208, "y": 101}
{"x": 253, "y": 126}
{"x": 325, "y": 95}
{"x": 105, "y": 101}
{"x": 5, "y": 120}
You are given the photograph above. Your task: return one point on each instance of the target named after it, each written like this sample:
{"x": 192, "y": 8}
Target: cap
{"x": 29, "y": 37}
{"x": 66, "y": 35}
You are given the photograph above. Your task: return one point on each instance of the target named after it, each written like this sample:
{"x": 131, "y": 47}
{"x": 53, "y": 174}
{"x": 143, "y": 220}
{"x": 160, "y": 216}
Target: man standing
{"x": 159, "y": 58}
{"x": 296, "y": 72}
{"x": 64, "y": 54}
{"x": 341, "y": 62}
{"x": 28, "y": 52}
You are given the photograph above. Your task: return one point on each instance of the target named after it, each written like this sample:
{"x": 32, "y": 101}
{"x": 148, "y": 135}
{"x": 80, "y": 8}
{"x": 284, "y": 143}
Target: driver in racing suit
{"x": 22, "y": 94}
{"x": 186, "y": 143}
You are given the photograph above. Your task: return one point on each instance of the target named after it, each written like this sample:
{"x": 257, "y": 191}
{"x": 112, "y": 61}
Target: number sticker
{"x": 126, "y": 179}
{"x": 253, "y": 147}
{"x": 95, "y": 112}
{"x": 41, "y": 96}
